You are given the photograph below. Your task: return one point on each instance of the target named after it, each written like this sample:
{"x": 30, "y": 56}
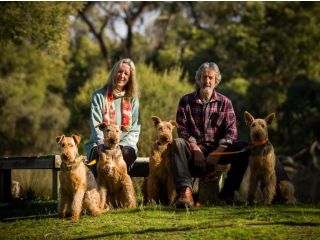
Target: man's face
{"x": 208, "y": 78}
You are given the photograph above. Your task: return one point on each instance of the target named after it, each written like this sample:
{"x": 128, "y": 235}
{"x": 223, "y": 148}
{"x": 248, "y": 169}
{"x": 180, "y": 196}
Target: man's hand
{"x": 214, "y": 159}
{"x": 222, "y": 168}
{"x": 199, "y": 159}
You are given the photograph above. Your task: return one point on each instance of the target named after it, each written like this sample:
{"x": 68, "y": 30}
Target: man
{"x": 207, "y": 123}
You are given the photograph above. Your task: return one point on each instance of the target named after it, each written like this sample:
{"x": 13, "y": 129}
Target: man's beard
{"x": 207, "y": 91}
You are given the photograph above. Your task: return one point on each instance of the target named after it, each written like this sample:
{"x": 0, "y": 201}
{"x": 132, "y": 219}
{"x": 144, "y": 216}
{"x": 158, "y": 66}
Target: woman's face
{"x": 122, "y": 76}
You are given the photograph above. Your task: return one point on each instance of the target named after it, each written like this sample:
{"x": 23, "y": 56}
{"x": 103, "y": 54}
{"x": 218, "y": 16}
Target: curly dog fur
{"x": 159, "y": 184}
{"x": 115, "y": 185}
{"x": 78, "y": 187}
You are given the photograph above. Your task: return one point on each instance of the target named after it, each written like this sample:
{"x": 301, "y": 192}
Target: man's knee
{"x": 179, "y": 143}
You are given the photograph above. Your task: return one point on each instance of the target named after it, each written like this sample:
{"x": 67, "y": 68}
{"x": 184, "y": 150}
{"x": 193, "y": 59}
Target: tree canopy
{"x": 53, "y": 55}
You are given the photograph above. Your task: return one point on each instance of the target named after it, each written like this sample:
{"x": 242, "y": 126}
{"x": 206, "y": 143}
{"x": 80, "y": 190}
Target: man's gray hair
{"x": 206, "y": 65}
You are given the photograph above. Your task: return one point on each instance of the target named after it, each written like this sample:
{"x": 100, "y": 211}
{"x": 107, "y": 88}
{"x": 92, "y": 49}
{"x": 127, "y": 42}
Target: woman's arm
{"x": 96, "y": 117}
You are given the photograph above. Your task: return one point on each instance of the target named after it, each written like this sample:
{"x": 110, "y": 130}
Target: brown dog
{"x": 160, "y": 185}
{"x": 115, "y": 185}
{"x": 262, "y": 159}
{"x": 78, "y": 187}
{"x": 262, "y": 164}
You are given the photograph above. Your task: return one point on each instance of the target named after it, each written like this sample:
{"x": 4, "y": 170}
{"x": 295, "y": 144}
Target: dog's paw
{"x": 75, "y": 218}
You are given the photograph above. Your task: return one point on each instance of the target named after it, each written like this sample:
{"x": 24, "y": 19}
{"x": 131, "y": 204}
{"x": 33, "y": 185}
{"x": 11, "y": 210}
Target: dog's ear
{"x": 59, "y": 139}
{"x": 173, "y": 123}
{"x": 101, "y": 126}
{"x": 124, "y": 128}
{"x": 76, "y": 138}
{"x": 156, "y": 120}
{"x": 270, "y": 118}
{"x": 248, "y": 118}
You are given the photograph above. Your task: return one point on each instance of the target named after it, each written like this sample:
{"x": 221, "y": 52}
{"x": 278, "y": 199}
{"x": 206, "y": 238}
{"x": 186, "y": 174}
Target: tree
{"x": 103, "y": 16}
{"x": 34, "y": 41}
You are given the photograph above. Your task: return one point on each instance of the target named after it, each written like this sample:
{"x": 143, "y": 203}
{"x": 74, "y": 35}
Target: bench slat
{"x": 35, "y": 162}
{"x": 139, "y": 169}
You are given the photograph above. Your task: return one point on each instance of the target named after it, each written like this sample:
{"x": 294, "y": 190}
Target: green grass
{"x": 38, "y": 220}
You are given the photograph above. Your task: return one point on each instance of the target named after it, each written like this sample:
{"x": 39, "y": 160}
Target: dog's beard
{"x": 69, "y": 155}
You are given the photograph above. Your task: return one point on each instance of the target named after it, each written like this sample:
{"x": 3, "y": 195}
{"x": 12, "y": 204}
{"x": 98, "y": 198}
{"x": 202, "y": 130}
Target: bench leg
{"x": 54, "y": 184}
{"x": 5, "y": 185}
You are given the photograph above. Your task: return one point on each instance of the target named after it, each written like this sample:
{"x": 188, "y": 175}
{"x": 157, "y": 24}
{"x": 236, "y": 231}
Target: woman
{"x": 116, "y": 102}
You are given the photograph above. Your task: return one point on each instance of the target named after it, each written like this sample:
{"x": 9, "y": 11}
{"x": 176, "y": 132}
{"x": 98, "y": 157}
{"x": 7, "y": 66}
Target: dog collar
{"x": 103, "y": 148}
{"x": 260, "y": 143}
{"x": 73, "y": 164}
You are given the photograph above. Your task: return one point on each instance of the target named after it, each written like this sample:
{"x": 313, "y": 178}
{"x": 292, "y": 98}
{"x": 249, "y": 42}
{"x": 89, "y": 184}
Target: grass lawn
{"x": 38, "y": 220}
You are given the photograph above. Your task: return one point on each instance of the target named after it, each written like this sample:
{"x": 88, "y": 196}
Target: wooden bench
{"x": 53, "y": 162}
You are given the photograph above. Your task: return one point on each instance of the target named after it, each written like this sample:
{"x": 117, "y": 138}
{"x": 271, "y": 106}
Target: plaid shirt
{"x": 211, "y": 123}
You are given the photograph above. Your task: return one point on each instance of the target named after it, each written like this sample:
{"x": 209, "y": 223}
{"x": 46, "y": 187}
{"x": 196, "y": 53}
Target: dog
{"x": 263, "y": 165}
{"x": 78, "y": 187}
{"x": 285, "y": 193}
{"x": 160, "y": 175}
{"x": 115, "y": 185}
{"x": 15, "y": 189}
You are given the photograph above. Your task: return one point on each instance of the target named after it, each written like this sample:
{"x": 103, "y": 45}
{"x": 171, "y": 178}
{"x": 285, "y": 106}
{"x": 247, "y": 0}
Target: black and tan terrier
{"x": 115, "y": 185}
{"x": 78, "y": 187}
{"x": 159, "y": 186}
{"x": 262, "y": 164}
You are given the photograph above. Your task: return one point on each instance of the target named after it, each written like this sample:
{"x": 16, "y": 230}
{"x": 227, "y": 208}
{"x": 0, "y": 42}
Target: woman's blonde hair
{"x": 208, "y": 65}
{"x": 131, "y": 87}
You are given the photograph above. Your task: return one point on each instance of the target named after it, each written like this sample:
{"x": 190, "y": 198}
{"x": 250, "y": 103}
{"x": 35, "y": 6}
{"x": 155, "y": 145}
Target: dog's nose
{"x": 257, "y": 135}
{"x": 165, "y": 138}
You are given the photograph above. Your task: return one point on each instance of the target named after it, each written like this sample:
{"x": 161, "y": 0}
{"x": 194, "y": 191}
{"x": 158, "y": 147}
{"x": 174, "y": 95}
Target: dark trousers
{"x": 184, "y": 169}
{"x": 128, "y": 153}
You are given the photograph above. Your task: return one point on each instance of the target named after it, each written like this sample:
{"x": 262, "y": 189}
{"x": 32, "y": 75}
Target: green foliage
{"x": 40, "y": 220}
{"x": 33, "y": 44}
{"x": 237, "y": 90}
{"x": 160, "y": 95}
{"x": 81, "y": 104}
{"x": 84, "y": 60}
{"x": 49, "y": 68}
{"x": 301, "y": 109}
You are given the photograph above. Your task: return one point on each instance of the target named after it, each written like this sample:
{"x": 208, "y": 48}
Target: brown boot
{"x": 185, "y": 198}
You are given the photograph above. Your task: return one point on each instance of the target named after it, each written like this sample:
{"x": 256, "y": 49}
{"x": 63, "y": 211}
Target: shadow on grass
{"x": 26, "y": 209}
{"x": 203, "y": 226}
{"x": 146, "y": 231}
{"x": 288, "y": 223}
{"x": 33, "y": 217}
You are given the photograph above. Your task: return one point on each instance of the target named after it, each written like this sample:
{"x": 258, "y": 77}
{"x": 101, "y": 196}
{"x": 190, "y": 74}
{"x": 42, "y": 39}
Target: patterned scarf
{"x": 110, "y": 112}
